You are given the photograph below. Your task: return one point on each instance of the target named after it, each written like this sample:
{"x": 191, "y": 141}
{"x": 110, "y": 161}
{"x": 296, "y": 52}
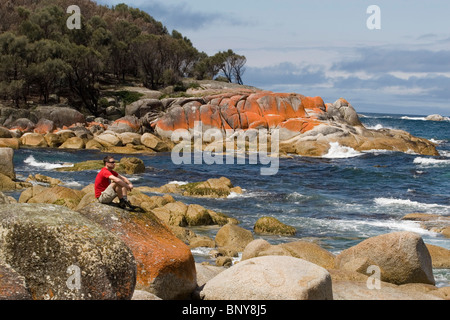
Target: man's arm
{"x": 122, "y": 181}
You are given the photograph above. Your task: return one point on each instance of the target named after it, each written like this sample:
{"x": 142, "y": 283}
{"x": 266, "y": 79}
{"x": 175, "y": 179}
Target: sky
{"x": 393, "y": 60}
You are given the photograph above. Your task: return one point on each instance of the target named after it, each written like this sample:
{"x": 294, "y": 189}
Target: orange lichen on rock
{"x": 158, "y": 252}
{"x": 165, "y": 265}
{"x": 44, "y": 126}
{"x": 133, "y": 123}
{"x": 245, "y": 110}
{"x": 299, "y": 125}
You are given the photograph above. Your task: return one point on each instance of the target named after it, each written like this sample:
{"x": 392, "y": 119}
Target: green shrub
{"x": 128, "y": 96}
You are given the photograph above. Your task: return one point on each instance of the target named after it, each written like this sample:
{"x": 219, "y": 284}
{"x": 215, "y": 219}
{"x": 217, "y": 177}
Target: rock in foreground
{"x": 401, "y": 256}
{"x": 12, "y": 285}
{"x": 49, "y": 245}
{"x": 165, "y": 265}
{"x": 270, "y": 278}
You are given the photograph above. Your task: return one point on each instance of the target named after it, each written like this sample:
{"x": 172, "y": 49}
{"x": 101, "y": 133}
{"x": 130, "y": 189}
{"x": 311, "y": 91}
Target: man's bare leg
{"x": 118, "y": 189}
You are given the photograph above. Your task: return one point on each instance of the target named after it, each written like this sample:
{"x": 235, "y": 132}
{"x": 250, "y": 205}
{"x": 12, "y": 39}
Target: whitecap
{"x": 431, "y": 161}
{"x": 376, "y": 127}
{"x": 437, "y": 141}
{"x": 245, "y": 194}
{"x": 393, "y": 202}
{"x": 445, "y": 154}
{"x": 337, "y": 151}
{"x": 413, "y": 118}
{"x": 366, "y": 228}
{"x": 401, "y": 225}
{"x": 235, "y": 195}
{"x": 45, "y": 165}
{"x": 295, "y": 196}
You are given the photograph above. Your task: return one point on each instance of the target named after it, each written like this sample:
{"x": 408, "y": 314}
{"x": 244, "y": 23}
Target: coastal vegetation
{"x": 88, "y": 250}
{"x": 42, "y": 60}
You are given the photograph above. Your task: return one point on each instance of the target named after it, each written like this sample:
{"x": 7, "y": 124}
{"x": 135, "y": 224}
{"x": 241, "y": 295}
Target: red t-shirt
{"x": 102, "y": 180}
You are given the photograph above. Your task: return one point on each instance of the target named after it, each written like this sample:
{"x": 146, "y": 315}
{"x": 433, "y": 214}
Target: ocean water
{"x": 337, "y": 200}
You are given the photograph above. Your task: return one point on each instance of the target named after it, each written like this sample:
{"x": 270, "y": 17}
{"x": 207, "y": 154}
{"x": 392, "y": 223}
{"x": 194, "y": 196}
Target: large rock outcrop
{"x": 306, "y": 125}
{"x": 50, "y": 246}
{"x": 165, "y": 265}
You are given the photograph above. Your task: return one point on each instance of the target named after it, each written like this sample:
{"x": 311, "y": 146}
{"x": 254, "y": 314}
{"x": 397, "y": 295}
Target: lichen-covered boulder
{"x": 63, "y": 255}
{"x": 272, "y": 225}
{"x": 306, "y": 125}
{"x": 125, "y": 124}
{"x": 132, "y": 165}
{"x": 165, "y": 265}
{"x": 12, "y": 285}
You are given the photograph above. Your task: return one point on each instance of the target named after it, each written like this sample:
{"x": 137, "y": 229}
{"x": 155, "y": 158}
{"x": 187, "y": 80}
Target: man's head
{"x": 109, "y": 161}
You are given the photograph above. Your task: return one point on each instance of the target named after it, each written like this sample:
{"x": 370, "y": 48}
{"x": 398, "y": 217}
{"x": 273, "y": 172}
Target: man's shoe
{"x": 122, "y": 205}
{"x": 129, "y": 205}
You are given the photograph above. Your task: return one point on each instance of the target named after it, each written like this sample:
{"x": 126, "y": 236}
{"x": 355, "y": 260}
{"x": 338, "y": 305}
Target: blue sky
{"x": 324, "y": 47}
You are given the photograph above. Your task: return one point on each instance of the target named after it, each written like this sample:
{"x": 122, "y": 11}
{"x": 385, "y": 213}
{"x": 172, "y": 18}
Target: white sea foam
{"x": 45, "y": 165}
{"x": 401, "y": 225}
{"x": 367, "y": 228}
{"x": 445, "y": 154}
{"x": 376, "y": 127}
{"x": 235, "y": 195}
{"x": 201, "y": 251}
{"x": 379, "y": 126}
{"x": 337, "y": 151}
{"x": 246, "y": 194}
{"x": 180, "y": 183}
{"x": 374, "y": 116}
{"x": 295, "y": 196}
{"x": 414, "y": 118}
{"x": 431, "y": 161}
{"x": 135, "y": 178}
{"x": 437, "y": 141}
{"x": 393, "y": 202}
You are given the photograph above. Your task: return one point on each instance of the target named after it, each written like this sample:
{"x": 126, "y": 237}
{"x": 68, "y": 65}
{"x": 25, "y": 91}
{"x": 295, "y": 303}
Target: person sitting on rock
{"x": 109, "y": 185}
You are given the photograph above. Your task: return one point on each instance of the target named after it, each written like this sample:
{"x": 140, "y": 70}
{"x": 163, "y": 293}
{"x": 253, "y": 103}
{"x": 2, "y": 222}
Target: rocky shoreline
{"x": 299, "y": 125}
{"x": 303, "y": 125}
{"x": 147, "y": 255}
{"x": 60, "y": 243}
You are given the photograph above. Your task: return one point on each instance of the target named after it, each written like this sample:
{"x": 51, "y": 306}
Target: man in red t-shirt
{"x": 109, "y": 185}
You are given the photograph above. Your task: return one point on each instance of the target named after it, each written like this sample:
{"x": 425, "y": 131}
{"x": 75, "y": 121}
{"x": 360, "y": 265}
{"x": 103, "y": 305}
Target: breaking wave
{"x": 31, "y": 161}
{"x": 337, "y": 151}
